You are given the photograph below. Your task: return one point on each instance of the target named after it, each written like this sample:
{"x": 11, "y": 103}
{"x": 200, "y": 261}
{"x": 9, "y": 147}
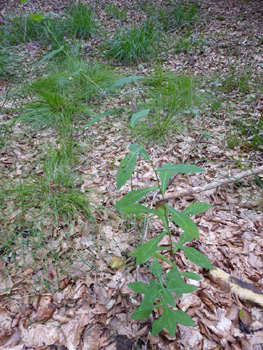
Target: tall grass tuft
{"x": 82, "y": 21}
{"x": 134, "y": 44}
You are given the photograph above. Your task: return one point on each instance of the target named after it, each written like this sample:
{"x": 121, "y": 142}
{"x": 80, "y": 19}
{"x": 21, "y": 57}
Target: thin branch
{"x": 215, "y": 184}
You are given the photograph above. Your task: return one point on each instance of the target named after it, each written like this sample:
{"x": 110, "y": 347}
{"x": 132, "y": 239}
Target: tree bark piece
{"x": 244, "y": 290}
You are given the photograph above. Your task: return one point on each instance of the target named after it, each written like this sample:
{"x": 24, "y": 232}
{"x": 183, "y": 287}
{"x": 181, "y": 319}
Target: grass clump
{"x": 82, "y": 21}
{"x": 175, "y": 15}
{"x": 5, "y": 60}
{"x": 172, "y": 100}
{"x": 246, "y": 132}
{"x": 68, "y": 92}
{"x": 182, "y": 14}
{"x": 116, "y": 13}
{"x": 186, "y": 44}
{"x": 50, "y": 108}
{"x": 159, "y": 126}
{"x": 52, "y": 194}
{"x": 50, "y": 31}
{"x": 131, "y": 45}
{"x": 238, "y": 79}
{"x": 88, "y": 78}
{"x": 177, "y": 93}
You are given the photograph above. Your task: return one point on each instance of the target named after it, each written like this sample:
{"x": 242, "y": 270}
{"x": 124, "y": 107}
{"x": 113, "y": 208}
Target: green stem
{"x": 163, "y": 199}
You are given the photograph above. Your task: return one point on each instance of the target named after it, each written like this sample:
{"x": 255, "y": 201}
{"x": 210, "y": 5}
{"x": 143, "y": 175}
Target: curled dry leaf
{"x": 37, "y": 335}
{"x": 95, "y": 337}
{"x": 71, "y": 332}
{"x": 44, "y": 313}
{"x": 5, "y": 324}
{"x": 27, "y": 272}
{"x": 64, "y": 283}
{"x": 45, "y": 300}
{"x": 221, "y": 328}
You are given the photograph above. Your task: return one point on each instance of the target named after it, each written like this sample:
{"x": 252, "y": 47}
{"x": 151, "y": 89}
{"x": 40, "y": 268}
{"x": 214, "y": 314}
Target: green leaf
{"x": 197, "y": 257}
{"x": 184, "y": 238}
{"x": 139, "y": 150}
{"x": 146, "y": 251}
{"x": 141, "y": 312}
{"x": 165, "y": 177}
{"x": 137, "y": 116}
{"x": 152, "y": 293}
{"x": 147, "y": 306}
{"x": 168, "y": 297}
{"x": 49, "y": 55}
{"x": 191, "y": 275}
{"x": 139, "y": 287}
{"x": 136, "y": 209}
{"x": 36, "y": 17}
{"x": 133, "y": 196}
{"x": 160, "y": 212}
{"x": 175, "y": 283}
{"x": 174, "y": 277}
{"x": 157, "y": 326}
{"x": 22, "y": 1}
{"x": 182, "y": 318}
{"x": 156, "y": 268}
{"x": 183, "y": 288}
{"x": 105, "y": 114}
{"x": 184, "y": 222}
{"x": 196, "y": 208}
{"x": 120, "y": 83}
{"x": 167, "y": 321}
{"x": 126, "y": 169}
{"x": 157, "y": 255}
{"x": 181, "y": 168}
{"x": 134, "y": 147}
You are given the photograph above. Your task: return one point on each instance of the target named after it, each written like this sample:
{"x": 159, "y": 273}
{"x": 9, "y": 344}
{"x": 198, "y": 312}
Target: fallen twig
{"x": 214, "y": 184}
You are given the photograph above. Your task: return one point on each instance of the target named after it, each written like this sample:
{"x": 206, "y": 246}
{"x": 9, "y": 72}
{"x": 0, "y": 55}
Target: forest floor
{"x": 64, "y": 249}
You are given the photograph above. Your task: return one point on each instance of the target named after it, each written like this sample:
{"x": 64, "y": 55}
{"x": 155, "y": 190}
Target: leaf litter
{"x": 89, "y": 304}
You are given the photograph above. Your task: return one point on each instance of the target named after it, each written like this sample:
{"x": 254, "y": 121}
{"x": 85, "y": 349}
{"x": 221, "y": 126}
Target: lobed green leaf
{"x": 157, "y": 255}
{"x": 146, "y": 251}
{"x": 183, "y": 318}
{"x": 139, "y": 287}
{"x": 141, "y": 312}
{"x": 197, "y": 257}
{"x": 156, "y": 269}
{"x": 168, "y": 297}
{"x": 191, "y": 275}
{"x": 184, "y": 222}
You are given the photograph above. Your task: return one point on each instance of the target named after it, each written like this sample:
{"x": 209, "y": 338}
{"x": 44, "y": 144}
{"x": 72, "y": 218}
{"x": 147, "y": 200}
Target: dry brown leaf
{"x": 39, "y": 334}
{"x": 5, "y": 325}
{"x": 116, "y": 262}
{"x": 44, "y": 313}
{"x": 71, "y": 331}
